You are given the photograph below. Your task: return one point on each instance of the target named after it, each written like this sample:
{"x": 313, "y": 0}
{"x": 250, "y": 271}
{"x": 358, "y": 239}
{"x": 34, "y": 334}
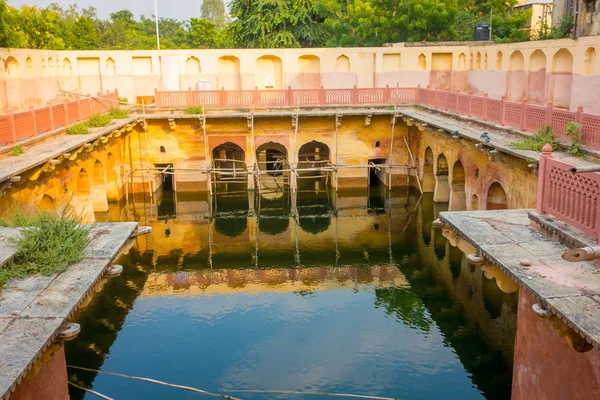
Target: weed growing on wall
{"x": 575, "y": 132}
{"x": 49, "y": 241}
{"x": 123, "y": 101}
{"x": 193, "y": 110}
{"x": 118, "y": 113}
{"x": 17, "y": 150}
{"x": 99, "y": 120}
{"x": 78, "y": 129}
{"x": 538, "y": 140}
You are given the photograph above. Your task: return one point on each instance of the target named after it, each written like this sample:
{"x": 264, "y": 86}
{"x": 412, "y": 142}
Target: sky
{"x": 180, "y": 9}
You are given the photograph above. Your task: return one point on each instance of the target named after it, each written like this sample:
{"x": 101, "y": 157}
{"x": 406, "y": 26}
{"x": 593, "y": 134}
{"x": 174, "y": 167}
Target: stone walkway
{"x": 505, "y": 237}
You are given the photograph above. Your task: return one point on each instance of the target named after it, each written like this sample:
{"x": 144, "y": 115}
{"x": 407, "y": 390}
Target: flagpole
{"x": 156, "y": 20}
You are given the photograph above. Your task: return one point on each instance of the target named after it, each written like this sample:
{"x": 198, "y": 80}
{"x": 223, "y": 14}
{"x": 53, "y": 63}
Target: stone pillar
{"x": 458, "y": 197}
{"x": 441, "y": 193}
{"x": 428, "y": 179}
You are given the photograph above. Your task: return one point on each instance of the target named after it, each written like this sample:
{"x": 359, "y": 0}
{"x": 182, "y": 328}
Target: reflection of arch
{"x": 427, "y": 217}
{"x": 478, "y": 61}
{"x": 455, "y": 257}
{"x": 229, "y": 73}
{"x": 12, "y": 67}
{"x": 309, "y": 72}
{"x": 474, "y": 203}
{"x": 499, "y": 61}
{"x": 83, "y": 183}
{"x": 235, "y": 210}
{"x": 192, "y": 66}
{"x": 111, "y": 68}
{"x": 428, "y": 178}
{"x": 314, "y": 214}
{"x": 496, "y": 198}
{"x": 29, "y": 67}
{"x": 47, "y": 203}
{"x": 342, "y": 64}
{"x": 439, "y": 244}
{"x": 462, "y": 62}
{"x": 422, "y": 62}
{"x": 589, "y": 61}
{"x": 98, "y": 174}
{"x": 458, "y": 197}
{"x": 492, "y": 297}
{"x": 269, "y": 73}
{"x": 271, "y": 219}
{"x": 67, "y": 70}
{"x": 272, "y": 157}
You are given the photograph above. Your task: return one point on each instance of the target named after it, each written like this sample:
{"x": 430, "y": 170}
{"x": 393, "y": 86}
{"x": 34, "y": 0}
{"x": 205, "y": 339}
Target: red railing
{"x": 574, "y": 199}
{"x": 30, "y": 123}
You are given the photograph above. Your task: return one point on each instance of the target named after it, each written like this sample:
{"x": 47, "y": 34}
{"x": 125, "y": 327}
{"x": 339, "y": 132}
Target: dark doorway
{"x": 376, "y": 175}
{"x": 166, "y": 172}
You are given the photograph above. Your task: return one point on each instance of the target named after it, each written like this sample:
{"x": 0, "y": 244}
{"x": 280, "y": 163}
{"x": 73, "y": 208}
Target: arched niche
{"x": 474, "y": 203}
{"x": 536, "y": 82}
{"x": 111, "y": 172}
{"x": 192, "y": 66}
{"x": 83, "y": 183}
{"x": 499, "y": 61}
{"x": 562, "y": 78}
{"x": 98, "y": 174}
{"x": 462, "y": 62}
{"x": 269, "y": 73}
{"x": 30, "y": 71}
{"x": 458, "y": 197}
{"x": 12, "y": 68}
{"x": 478, "y": 61}
{"x": 422, "y": 62}
{"x": 516, "y": 76}
{"x": 67, "y": 69}
{"x": 47, "y": 204}
{"x": 428, "y": 178}
{"x": 485, "y": 61}
{"x": 342, "y": 64}
{"x": 229, "y": 73}
{"x": 496, "y": 198}
{"x": 516, "y": 61}
{"x": 111, "y": 68}
{"x": 309, "y": 72}
{"x": 441, "y": 194}
{"x": 589, "y": 61}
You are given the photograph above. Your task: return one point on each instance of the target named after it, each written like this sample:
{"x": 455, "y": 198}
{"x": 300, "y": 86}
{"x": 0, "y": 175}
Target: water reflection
{"x": 314, "y": 290}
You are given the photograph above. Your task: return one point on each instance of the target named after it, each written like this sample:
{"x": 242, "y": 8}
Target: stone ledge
{"x": 561, "y": 231}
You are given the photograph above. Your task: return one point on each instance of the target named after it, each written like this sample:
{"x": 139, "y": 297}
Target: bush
{"x": 78, "y": 129}
{"x": 98, "y": 120}
{"x": 123, "y": 100}
{"x": 17, "y": 150}
{"x": 118, "y": 113}
{"x": 193, "y": 110}
{"x": 48, "y": 242}
{"x": 538, "y": 140}
{"x": 575, "y": 132}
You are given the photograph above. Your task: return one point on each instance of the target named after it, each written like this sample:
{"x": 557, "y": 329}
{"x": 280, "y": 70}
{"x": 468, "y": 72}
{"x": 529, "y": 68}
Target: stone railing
{"x": 572, "y": 198}
{"x": 29, "y": 124}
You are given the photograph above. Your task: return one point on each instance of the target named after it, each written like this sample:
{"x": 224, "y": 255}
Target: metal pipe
{"x": 582, "y": 254}
{"x": 584, "y": 169}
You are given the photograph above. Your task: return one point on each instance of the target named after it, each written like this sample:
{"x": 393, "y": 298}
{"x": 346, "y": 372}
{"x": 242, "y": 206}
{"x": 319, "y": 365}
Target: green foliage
{"x": 202, "y": 34}
{"x": 575, "y": 132}
{"x": 78, "y": 129}
{"x": 538, "y": 140}
{"x": 49, "y": 241}
{"x": 405, "y": 305}
{"x": 560, "y": 31}
{"x": 118, "y": 113}
{"x": 193, "y": 110}
{"x": 123, "y": 101}
{"x": 214, "y": 11}
{"x": 17, "y": 150}
{"x": 99, "y": 120}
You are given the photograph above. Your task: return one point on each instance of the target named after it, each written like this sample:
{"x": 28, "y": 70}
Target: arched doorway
{"x": 229, "y": 165}
{"x": 474, "y": 203}
{"x": 562, "y": 78}
{"x": 312, "y": 157}
{"x": 441, "y": 193}
{"x": 83, "y": 183}
{"x": 516, "y": 76}
{"x": 536, "y": 80}
{"x": 47, "y": 204}
{"x": 496, "y": 199}
{"x": 428, "y": 177}
{"x": 112, "y": 179}
{"x": 458, "y": 197}
{"x": 272, "y": 161}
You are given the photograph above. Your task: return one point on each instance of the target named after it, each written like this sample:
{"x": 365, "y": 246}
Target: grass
{"x": 78, "y": 129}
{"x": 193, "y": 110}
{"x": 49, "y": 242}
{"x": 538, "y": 140}
{"x": 118, "y": 113}
{"x": 99, "y": 120}
{"x": 17, "y": 151}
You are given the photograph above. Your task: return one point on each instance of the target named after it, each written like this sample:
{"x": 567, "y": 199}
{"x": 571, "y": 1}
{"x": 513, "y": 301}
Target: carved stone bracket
{"x": 368, "y": 120}
{"x": 573, "y": 339}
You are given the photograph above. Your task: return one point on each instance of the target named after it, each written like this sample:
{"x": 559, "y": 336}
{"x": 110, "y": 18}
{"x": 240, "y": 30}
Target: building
{"x": 586, "y": 19}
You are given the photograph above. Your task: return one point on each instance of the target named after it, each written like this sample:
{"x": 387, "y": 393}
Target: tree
{"x": 3, "y": 24}
{"x": 202, "y": 34}
{"x": 214, "y": 10}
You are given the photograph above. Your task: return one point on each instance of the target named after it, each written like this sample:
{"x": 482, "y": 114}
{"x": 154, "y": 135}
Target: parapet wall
{"x": 565, "y": 71}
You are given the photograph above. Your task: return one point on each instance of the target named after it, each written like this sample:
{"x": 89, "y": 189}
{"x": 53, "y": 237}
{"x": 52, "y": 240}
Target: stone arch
{"x": 458, "y": 197}
{"x": 492, "y": 297}
{"x": 309, "y": 72}
{"x": 310, "y": 155}
{"x": 516, "y": 76}
{"x": 47, "y": 203}
{"x": 462, "y": 62}
{"x": 536, "y": 81}
{"x": 230, "y": 158}
{"x": 67, "y": 69}
{"x": 111, "y": 67}
{"x": 98, "y": 174}
{"x": 11, "y": 65}
{"x": 342, "y": 64}
{"x": 478, "y": 61}
{"x": 29, "y": 62}
{"x": 192, "y": 66}
{"x": 51, "y": 65}
{"x": 474, "y": 202}
{"x": 428, "y": 178}
{"x": 496, "y": 198}
{"x": 269, "y": 72}
{"x": 111, "y": 172}
{"x": 485, "y": 61}
{"x": 441, "y": 193}
{"x": 83, "y": 183}
{"x": 272, "y": 156}
{"x": 589, "y": 61}
{"x": 422, "y": 62}
{"x": 562, "y": 78}
{"x": 229, "y": 73}
{"x": 499, "y": 61}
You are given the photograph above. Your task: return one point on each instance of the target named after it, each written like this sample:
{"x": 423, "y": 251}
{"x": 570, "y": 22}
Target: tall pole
{"x": 156, "y": 20}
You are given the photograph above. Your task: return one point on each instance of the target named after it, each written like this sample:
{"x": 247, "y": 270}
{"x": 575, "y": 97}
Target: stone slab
{"x": 6, "y": 252}
{"x": 504, "y": 237}
{"x": 33, "y": 310}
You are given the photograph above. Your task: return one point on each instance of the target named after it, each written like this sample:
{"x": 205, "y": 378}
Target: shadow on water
{"x": 303, "y": 246}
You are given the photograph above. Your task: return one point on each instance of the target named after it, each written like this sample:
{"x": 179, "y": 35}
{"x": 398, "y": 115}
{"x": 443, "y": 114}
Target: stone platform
{"x": 504, "y": 238}
{"x": 35, "y": 309}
